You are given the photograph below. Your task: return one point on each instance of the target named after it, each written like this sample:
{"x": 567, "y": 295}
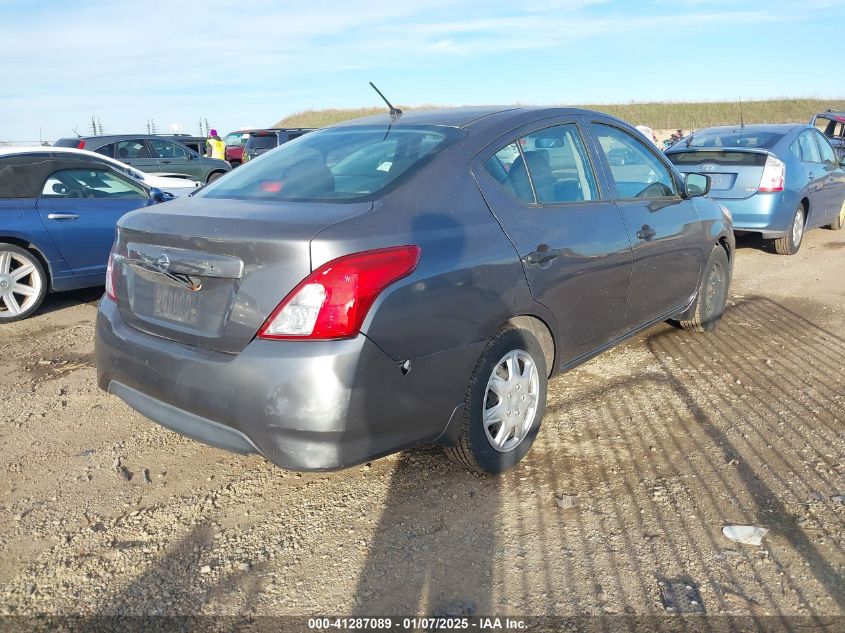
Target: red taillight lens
{"x": 774, "y": 175}
{"x": 110, "y": 274}
{"x": 333, "y": 301}
{"x": 80, "y": 144}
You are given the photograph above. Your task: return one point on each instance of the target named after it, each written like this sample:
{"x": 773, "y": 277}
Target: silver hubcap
{"x": 20, "y": 284}
{"x": 715, "y": 281}
{"x": 510, "y": 400}
{"x": 797, "y": 228}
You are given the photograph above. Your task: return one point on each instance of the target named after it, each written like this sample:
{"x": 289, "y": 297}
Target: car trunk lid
{"x": 208, "y": 272}
{"x": 734, "y": 173}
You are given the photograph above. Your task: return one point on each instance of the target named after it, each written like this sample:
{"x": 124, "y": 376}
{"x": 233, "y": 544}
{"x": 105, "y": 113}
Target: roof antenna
{"x": 741, "y": 120}
{"x": 393, "y": 111}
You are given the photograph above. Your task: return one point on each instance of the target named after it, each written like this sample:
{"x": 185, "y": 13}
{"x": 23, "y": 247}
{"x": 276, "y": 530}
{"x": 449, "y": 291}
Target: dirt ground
{"x": 664, "y": 440}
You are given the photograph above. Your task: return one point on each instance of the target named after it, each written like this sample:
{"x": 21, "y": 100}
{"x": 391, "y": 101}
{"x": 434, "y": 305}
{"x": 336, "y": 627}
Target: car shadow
{"x": 663, "y": 441}
{"x": 60, "y": 300}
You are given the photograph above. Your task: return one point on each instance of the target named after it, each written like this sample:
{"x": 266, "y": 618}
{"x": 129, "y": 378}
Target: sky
{"x": 251, "y": 62}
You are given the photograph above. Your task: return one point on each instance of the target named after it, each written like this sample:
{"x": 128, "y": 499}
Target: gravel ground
{"x": 663, "y": 441}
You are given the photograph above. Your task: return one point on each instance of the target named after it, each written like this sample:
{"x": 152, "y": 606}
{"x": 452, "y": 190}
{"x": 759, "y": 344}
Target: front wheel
{"x": 712, "y": 294}
{"x": 791, "y": 242}
{"x": 504, "y": 403}
{"x": 23, "y": 283}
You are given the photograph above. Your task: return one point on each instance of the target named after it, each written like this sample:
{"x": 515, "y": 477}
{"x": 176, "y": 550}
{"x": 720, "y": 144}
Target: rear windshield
{"x": 732, "y": 138}
{"x": 265, "y": 141}
{"x": 336, "y": 164}
{"x": 737, "y": 159}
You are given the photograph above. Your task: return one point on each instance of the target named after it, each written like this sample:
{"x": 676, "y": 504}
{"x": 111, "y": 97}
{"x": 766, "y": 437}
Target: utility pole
{"x": 100, "y": 125}
{"x": 93, "y": 127}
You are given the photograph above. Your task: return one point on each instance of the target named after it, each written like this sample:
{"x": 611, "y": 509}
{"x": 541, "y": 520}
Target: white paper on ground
{"x": 746, "y": 534}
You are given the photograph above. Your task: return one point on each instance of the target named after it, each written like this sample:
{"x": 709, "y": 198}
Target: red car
{"x": 235, "y": 142}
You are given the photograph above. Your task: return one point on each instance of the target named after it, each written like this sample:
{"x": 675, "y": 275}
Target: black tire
{"x": 474, "y": 449}
{"x": 788, "y": 245}
{"x": 14, "y": 258}
{"x": 839, "y": 220}
{"x": 214, "y": 176}
{"x": 712, "y": 296}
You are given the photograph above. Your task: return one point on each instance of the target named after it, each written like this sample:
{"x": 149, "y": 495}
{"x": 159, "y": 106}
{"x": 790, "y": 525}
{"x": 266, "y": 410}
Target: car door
{"x": 80, "y": 208}
{"x": 175, "y": 158}
{"x": 833, "y": 184}
{"x": 665, "y": 228}
{"x": 137, "y": 153}
{"x": 815, "y": 174}
{"x": 542, "y": 187}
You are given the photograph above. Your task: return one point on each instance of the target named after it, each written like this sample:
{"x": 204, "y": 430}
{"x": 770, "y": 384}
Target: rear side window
{"x": 553, "y": 162}
{"x": 106, "y": 150}
{"x": 636, "y": 171}
{"x": 89, "y": 183}
{"x": 335, "y": 164}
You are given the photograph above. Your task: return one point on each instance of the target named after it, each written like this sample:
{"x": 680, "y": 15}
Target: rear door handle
{"x": 646, "y": 233}
{"x": 542, "y": 255}
{"x": 812, "y": 176}
{"x": 62, "y": 216}
{"x": 166, "y": 162}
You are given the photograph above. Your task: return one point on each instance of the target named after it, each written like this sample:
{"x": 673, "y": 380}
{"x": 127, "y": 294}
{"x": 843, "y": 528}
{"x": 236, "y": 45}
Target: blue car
{"x": 57, "y": 224}
{"x": 776, "y": 180}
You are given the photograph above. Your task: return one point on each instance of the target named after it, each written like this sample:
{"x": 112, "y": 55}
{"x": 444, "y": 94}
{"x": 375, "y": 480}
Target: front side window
{"x": 132, "y": 149}
{"x": 636, "y": 171}
{"x": 166, "y": 149}
{"x": 808, "y": 147}
{"x": 335, "y": 164}
{"x": 90, "y": 183}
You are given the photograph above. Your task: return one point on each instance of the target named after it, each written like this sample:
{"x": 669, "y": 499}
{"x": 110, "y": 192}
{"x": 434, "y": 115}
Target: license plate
{"x": 176, "y": 304}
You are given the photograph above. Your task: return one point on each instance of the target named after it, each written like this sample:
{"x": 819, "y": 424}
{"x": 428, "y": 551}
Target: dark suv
{"x": 832, "y": 125}
{"x": 151, "y": 154}
{"x": 261, "y": 141}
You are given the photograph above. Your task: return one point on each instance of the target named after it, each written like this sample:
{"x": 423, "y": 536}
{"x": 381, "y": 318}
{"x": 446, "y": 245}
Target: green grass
{"x": 688, "y": 116}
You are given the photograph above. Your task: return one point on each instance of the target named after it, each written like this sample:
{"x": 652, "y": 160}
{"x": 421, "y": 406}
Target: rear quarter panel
{"x": 469, "y": 280}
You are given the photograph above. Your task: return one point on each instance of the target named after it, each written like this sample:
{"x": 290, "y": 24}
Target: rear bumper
{"x": 311, "y": 405}
{"x": 769, "y": 214}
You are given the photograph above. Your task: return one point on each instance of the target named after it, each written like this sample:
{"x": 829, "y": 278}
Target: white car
{"x": 175, "y": 184}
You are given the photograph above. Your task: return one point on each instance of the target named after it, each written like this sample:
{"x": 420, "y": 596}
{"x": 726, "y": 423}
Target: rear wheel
{"x": 839, "y": 220}
{"x": 23, "y": 283}
{"x": 712, "y": 294}
{"x": 504, "y": 403}
{"x": 214, "y": 176}
{"x": 791, "y": 242}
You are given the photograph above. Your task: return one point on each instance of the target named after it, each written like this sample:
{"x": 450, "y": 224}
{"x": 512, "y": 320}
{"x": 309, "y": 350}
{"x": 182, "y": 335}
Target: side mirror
{"x": 157, "y": 196}
{"x": 696, "y": 185}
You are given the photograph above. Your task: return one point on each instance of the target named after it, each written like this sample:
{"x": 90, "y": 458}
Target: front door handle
{"x": 646, "y": 233}
{"x": 542, "y": 255}
{"x": 166, "y": 162}
{"x": 62, "y": 216}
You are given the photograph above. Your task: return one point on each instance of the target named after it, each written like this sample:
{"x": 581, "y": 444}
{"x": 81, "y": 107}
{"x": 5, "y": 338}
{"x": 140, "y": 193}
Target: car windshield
{"x": 236, "y": 138}
{"x": 336, "y": 164}
{"x": 732, "y": 138}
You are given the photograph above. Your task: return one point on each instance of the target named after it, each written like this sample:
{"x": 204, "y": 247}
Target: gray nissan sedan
{"x": 405, "y": 279}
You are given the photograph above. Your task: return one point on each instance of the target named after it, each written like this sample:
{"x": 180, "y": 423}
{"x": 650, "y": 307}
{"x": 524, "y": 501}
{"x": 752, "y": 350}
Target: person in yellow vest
{"x": 216, "y": 148}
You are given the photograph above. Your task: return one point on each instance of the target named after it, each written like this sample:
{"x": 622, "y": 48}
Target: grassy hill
{"x": 688, "y": 116}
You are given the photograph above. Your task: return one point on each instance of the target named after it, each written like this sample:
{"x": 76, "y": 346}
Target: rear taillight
{"x": 774, "y": 175}
{"x": 80, "y": 144}
{"x": 333, "y": 301}
{"x": 110, "y": 273}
